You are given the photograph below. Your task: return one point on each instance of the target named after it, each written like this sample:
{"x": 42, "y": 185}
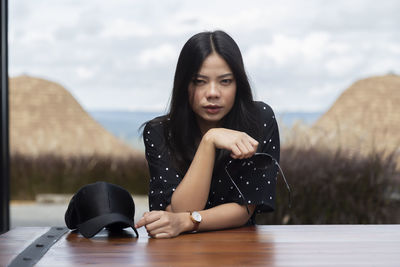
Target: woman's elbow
{"x": 246, "y": 214}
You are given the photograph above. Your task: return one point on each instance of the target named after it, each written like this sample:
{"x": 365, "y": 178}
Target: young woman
{"x": 213, "y": 120}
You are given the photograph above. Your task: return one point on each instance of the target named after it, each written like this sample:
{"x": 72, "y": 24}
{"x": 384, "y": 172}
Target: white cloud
{"x": 299, "y": 55}
{"x": 340, "y": 65}
{"x": 162, "y": 54}
{"x": 285, "y": 50}
{"x": 84, "y": 72}
{"x": 122, "y": 28}
{"x": 34, "y": 37}
{"x": 382, "y": 67}
{"x": 394, "y": 48}
{"x": 323, "y": 90}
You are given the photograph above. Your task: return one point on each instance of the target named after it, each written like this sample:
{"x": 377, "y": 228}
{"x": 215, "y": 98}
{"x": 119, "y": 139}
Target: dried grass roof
{"x": 45, "y": 118}
{"x": 365, "y": 118}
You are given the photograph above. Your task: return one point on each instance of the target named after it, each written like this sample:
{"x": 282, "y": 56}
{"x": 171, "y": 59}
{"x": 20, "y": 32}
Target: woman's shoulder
{"x": 155, "y": 126}
{"x": 154, "y": 135}
{"x": 264, "y": 109}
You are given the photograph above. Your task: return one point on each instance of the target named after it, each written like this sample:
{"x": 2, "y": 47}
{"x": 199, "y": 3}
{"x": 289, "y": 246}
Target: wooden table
{"x": 295, "y": 245}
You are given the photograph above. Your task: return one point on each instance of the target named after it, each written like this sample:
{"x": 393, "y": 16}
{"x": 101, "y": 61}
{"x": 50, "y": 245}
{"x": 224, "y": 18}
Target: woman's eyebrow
{"x": 198, "y": 75}
{"x": 225, "y": 75}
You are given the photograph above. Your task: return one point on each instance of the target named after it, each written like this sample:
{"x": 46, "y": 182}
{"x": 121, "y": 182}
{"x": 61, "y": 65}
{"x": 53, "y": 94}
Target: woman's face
{"x": 212, "y": 92}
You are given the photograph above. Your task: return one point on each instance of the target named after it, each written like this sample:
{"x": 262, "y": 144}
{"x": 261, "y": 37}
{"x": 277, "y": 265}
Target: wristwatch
{"x": 196, "y": 219}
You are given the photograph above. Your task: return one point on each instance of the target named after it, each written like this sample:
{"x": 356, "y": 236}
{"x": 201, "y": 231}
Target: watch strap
{"x": 195, "y": 223}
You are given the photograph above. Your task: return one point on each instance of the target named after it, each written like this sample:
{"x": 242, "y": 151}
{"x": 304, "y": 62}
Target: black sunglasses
{"x": 260, "y": 161}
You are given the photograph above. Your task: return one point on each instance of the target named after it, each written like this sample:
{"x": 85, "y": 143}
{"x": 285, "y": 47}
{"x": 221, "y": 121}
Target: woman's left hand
{"x": 164, "y": 224}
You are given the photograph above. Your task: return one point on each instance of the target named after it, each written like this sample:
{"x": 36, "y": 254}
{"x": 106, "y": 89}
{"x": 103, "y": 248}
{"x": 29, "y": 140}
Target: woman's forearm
{"x": 224, "y": 216}
{"x": 166, "y": 224}
{"x": 192, "y": 192}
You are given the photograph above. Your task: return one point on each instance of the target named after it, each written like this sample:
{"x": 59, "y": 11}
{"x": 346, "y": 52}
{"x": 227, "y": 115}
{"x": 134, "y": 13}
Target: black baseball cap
{"x": 100, "y": 205}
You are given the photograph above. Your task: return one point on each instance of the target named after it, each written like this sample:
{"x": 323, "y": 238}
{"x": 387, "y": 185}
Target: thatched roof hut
{"x": 366, "y": 117}
{"x": 46, "y": 119}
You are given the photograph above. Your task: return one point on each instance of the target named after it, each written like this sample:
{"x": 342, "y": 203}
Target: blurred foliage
{"x": 328, "y": 187}
{"x": 30, "y": 176}
{"x": 332, "y": 187}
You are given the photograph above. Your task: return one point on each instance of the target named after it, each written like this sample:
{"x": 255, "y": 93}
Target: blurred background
{"x": 85, "y": 75}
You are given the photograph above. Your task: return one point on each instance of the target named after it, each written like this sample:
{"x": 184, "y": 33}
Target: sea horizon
{"x": 126, "y": 124}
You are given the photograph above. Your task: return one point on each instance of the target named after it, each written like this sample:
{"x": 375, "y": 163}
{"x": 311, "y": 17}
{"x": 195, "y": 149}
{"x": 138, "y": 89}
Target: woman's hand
{"x": 164, "y": 224}
{"x": 240, "y": 144}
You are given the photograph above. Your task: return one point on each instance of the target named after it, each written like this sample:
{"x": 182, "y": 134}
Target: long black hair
{"x": 181, "y": 131}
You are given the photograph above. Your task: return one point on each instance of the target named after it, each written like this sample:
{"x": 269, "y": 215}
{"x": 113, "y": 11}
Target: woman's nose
{"x": 213, "y": 90}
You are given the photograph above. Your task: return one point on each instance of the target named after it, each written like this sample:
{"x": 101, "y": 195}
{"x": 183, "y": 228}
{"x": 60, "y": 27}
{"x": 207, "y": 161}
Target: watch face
{"x": 196, "y": 216}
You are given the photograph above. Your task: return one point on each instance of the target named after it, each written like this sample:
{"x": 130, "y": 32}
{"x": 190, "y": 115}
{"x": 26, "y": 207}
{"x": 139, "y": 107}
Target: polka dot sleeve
{"x": 258, "y": 186}
{"x": 270, "y": 144}
{"x": 163, "y": 177}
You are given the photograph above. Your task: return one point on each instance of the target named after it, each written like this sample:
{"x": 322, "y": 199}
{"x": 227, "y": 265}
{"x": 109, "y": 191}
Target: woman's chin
{"x": 213, "y": 118}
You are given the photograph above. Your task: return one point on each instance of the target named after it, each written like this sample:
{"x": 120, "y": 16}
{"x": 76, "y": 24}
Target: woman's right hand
{"x": 239, "y": 143}
{"x": 165, "y": 224}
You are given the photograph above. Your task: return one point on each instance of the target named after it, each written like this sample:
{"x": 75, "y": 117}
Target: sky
{"x": 122, "y": 54}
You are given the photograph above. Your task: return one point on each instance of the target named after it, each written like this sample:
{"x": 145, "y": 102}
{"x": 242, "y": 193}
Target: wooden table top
{"x": 294, "y": 245}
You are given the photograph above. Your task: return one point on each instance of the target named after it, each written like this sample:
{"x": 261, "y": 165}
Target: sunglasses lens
{"x": 263, "y": 161}
{"x": 234, "y": 166}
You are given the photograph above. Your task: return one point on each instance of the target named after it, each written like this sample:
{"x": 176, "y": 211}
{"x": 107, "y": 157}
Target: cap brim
{"x": 91, "y": 227}
{"x": 70, "y": 217}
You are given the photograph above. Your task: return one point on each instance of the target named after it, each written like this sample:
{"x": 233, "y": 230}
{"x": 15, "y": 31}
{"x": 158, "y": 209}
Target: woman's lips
{"x": 212, "y": 109}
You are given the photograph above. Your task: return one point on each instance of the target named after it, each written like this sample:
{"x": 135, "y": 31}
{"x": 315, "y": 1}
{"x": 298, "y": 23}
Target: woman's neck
{"x": 207, "y": 125}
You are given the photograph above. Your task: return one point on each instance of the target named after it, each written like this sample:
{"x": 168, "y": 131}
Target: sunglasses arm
{"x": 247, "y": 208}
{"x": 284, "y": 178}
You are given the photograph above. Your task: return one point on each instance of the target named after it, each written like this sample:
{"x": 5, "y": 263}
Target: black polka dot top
{"x": 256, "y": 185}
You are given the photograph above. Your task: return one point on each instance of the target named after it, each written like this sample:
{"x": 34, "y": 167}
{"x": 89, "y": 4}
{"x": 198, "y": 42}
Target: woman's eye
{"x": 198, "y": 82}
{"x": 226, "y": 81}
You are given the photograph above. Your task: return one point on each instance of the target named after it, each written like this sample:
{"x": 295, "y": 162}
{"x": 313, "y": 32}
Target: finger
{"x": 253, "y": 146}
{"x": 140, "y": 223}
{"x": 235, "y": 152}
{"x": 155, "y": 226}
{"x": 161, "y": 226}
{"x": 253, "y": 142}
{"x": 250, "y": 148}
{"x": 160, "y": 230}
{"x": 162, "y": 235}
{"x": 243, "y": 149}
{"x": 148, "y": 218}
{"x": 143, "y": 216}
{"x": 154, "y": 216}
